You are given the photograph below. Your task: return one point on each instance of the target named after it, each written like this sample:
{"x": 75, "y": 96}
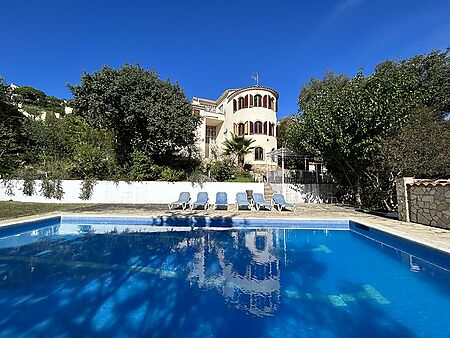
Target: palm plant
{"x": 238, "y": 146}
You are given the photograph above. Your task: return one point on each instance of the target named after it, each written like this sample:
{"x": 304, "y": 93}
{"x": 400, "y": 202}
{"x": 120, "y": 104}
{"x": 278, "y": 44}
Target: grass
{"x": 10, "y": 209}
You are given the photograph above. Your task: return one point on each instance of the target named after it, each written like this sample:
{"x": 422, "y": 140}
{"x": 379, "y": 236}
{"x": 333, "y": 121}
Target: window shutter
{"x": 278, "y": 130}
{"x": 250, "y": 104}
{"x": 276, "y": 105}
{"x": 246, "y": 128}
{"x": 234, "y": 106}
{"x": 265, "y": 101}
{"x": 246, "y": 101}
{"x": 265, "y": 128}
{"x": 251, "y": 128}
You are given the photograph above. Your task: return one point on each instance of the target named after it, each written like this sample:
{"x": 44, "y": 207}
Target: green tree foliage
{"x": 238, "y": 147}
{"x": 421, "y": 148}
{"x": 70, "y": 148}
{"x": 345, "y": 120}
{"x": 28, "y": 94}
{"x": 13, "y": 134}
{"x": 35, "y": 100}
{"x": 143, "y": 112}
{"x": 223, "y": 169}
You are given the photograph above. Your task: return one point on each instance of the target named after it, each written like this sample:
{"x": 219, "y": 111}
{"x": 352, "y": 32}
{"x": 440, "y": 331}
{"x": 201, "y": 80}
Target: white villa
{"x": 250, "y": 111}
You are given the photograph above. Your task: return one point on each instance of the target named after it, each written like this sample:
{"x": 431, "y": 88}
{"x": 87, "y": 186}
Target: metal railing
{"x": 299, "y": 177}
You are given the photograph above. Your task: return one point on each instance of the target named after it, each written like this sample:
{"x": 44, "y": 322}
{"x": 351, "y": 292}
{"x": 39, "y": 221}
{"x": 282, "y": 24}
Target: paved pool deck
{"x": 434, "y": 237}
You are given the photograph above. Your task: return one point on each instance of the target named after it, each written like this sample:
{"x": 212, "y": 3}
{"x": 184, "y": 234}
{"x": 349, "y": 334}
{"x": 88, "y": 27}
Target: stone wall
{"x": 424, "y": 202}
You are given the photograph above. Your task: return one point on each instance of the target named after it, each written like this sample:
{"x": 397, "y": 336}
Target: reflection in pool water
{"x": 104, "y": 280}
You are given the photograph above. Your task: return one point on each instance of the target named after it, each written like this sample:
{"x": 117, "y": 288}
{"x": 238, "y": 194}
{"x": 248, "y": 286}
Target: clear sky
{"x": 209, "y": 46}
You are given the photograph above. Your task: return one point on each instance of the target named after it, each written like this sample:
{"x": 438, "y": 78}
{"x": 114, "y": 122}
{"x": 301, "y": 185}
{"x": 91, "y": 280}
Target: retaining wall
{"x": 132, "y": 192}
{"x": 424, "y": 202}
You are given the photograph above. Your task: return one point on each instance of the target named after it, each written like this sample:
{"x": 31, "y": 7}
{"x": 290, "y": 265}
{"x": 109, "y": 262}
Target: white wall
{"x": 133, "y": 192}
{"x": 305, "y": 193}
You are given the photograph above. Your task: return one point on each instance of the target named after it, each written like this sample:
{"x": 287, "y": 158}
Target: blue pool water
{"x": 78, "y": 279}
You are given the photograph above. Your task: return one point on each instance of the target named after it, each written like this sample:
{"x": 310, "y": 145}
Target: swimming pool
{"x": 112, "y": 277}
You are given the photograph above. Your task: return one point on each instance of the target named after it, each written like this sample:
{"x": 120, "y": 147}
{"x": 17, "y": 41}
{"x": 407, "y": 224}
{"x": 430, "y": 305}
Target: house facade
{"x": 249, "y": 112}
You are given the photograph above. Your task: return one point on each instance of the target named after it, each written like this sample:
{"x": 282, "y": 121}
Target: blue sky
{"x": 209, "y": 46}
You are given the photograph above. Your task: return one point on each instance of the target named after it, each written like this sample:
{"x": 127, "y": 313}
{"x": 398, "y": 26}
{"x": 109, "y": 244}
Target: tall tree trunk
{"x": 241, "y": 160}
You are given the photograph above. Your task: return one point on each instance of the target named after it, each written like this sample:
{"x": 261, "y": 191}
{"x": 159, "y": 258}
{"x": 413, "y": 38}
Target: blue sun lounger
{"x": 259, "y": 202}
{"x": 241, "y": 201}
{"x": 221, "y": 200}
{"x": 182, "y": 202}
{"x": 202, "y": 201}
{"x": 280, "y": 203}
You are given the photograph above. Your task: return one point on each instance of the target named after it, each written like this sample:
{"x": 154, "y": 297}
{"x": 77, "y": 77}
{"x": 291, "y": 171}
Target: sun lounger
{"x": 183, "y": 201}
{"x": 259, "y": 202}
{"x": 221, "y": 200}
{"x": 279, "y": 202}
{"x": 202, "y": 201}
{"x": 241, "y": 201}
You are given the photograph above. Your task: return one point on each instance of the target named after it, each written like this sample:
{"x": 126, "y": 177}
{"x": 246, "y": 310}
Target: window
{"x": 241, "y": 102}
{"x": 258, "y": 100}
{"x": 259, "y": 154}
{"x": 210, "y": 134}
{"x": 258, "y": 127}
{"x": 271, "y": 103}
{"x": 241, "y": 129}
{"x": 271, "y": 129}
{"x": 234, "y": 105}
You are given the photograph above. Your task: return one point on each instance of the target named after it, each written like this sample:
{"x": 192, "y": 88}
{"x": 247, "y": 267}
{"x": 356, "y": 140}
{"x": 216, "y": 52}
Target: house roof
{"x": 442, "y": 182}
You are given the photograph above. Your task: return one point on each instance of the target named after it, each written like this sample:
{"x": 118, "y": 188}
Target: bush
{"x": 242, "y": 176}
{"x": 143, "y": 168}
{"x": 223, "y": 170}
{"x": 172, "y": 175}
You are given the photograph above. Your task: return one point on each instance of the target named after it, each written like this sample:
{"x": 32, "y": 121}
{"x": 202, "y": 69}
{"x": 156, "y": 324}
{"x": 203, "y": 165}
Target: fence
{"x": 299, "y": 177}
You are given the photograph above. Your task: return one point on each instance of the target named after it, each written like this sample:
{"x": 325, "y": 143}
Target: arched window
{"x": 271, "y": 129}
{"x": 241, "y": 129}
{"x": 259, "y": 154}
{"x": 257, "y": 100}
{"x": 234, "y": 106}
{"x": 258, "y": 127}
{"x": 241, "y": 102}
{"x": 271, "y": 103}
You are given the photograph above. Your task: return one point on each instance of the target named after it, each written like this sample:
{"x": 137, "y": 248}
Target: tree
{"x": 421, "y": 149}
{"x": 70, "y": 148}
{"x": 31, "y": 95}
{"x": 144, "y": 112}
{"x": 345, "y": 120}
{"x": 13, "y": 135}
{"x": 238, "y": 146}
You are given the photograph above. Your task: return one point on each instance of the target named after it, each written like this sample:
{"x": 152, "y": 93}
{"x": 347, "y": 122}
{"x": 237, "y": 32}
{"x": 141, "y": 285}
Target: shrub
{"x": 172, "y": 175}
{"x": 242, "y": 176}
{"x": 143, "y": 168}
{"x": 223, "y": 170}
